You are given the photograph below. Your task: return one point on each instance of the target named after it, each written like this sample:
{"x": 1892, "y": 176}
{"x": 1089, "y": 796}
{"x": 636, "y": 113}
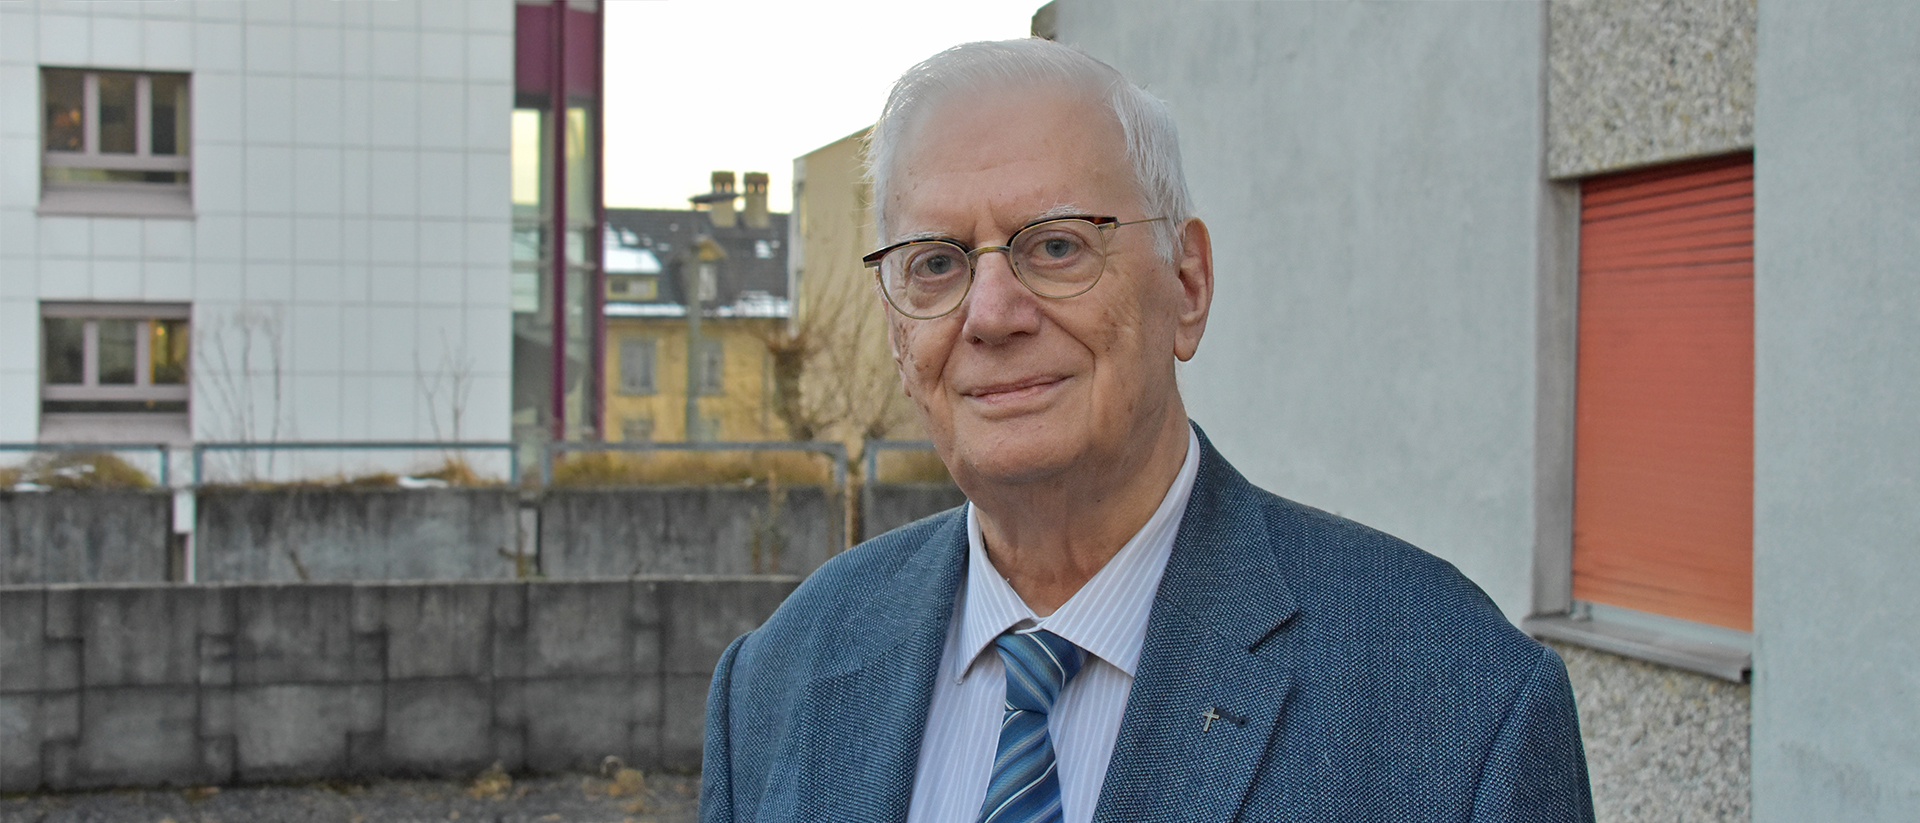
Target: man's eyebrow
{"x": 1061, "y": 210}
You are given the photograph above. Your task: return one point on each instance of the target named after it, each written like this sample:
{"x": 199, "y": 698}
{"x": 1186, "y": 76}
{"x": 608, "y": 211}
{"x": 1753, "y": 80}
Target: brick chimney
{"x": 755, "y": 212}
{"x": 720, "y": 200}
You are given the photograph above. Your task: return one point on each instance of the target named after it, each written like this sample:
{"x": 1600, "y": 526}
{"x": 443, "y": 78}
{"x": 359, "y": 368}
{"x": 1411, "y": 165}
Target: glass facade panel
{"x": 169, "y": 116}
{"x": 66, "y": 106}
{"x": 116, "y": 113}
{"x": 168, "y": 347}
{"x": 118, "y": 350}
{"x": 65, "y": 351}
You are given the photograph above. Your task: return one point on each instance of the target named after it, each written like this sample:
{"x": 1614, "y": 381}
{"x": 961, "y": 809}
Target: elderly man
{"x": 1117, "y": 626}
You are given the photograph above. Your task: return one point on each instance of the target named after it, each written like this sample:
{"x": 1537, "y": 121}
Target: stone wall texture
{"x": 144, "y": 685}
{"x": 93, "y": 536}
{"x": 1636, "y": 82}
{"x": 688, "y": 530}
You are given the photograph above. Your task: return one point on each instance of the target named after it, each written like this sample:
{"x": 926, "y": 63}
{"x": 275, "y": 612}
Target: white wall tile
{"x": 65, "y": 279}
{"x": 116, "y": 238}
{"x": 395, "y": 114}
{"x": 391, "y": 400}
{"x": 489, "y": 339}
{"x": 437, "y": 337}
{"x": 393, "y": 183}
{"x": 390, "y": 285}
{"x": 19, "y": 95}
{"x": 219, "y": 109}
{"x": 316, "y": 239}
{"x": 116, "y": 280}
{"x": 356, "y": 111}
{"x": 316, "y": 283}
{"x": 395, "y": 54}
{"x": 169, "y": 44}
{"x": 115, "y": 8}
{"x": 316, "y": 416}
{"x": 66, "y": 39}
{"x": 354, "y": 393}
{"x": 354, "y": 279}
{"x": 490, "y": 15}
{"x": 316, "y": 338}
{"x": 164, "y": 239}
{"x": 269, "y": 179}
{"x": 219, "y": 47}
{"x": 66, "y": 236}
{"x": 489, "y": 116}
{"x": 356, "y": 182}
{"x": 269, "y": 282}
{"x": 317, "y": 182}
{"x": 19, "y": 172}
{"x": 269, "y": 238}
{"x": 394, "y": 240}
{"x": 18, "y": 33}
{"x": 440, "y": 242}
{"x": 316, "y": 49}
{"x": 443, "y": 115}
{"x": 269, "y": 109}
{"x": 354, "y": 344}
{"x": 441, "y": 286}
{"x": 443, "y": 185}
{"x": 168, "y": 280}
{"x": 390, "y": 339}
{"x": 356, "y": 52}
{"x": 273, "y": 11}
{"x": 489, "y": 185}
{"x": 269, "y": 49}
{"x": 219, "y": 237}
{"x": 20, "y": 394}
{"x": 219, "y": 9}
{"x": 219, "y": 179}
{"x": 219, "y": 280}
{"x": 316, "y": 111}
{"x": 443, "y": 56}
{"x": 325, "y": 15}
{"x": 490, "y": 57}
{"x": 19, "y": 233}
{"x": 116, "y": 43}
{"x": 443, "y": 16}
{"x": 488, "y": 243}
{"x": 487, "y": 287}
{"x": 393, "y": 15}
{"x": 19, "y": 280}
{"x": 355, "y": 239}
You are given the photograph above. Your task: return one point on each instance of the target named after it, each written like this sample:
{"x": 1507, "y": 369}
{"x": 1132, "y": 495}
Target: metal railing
{"x": 834, "y": 451}
{"x": 164, "y": 450}
{"x": 513, "y": 455}
{"x": 870, "y": 459}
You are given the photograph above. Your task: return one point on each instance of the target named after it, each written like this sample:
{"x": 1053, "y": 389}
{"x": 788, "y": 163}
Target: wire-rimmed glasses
{"x": 1057, "y": 257}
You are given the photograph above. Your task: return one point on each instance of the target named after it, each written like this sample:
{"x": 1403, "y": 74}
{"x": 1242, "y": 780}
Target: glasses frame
{"x": 1102, "y": 223}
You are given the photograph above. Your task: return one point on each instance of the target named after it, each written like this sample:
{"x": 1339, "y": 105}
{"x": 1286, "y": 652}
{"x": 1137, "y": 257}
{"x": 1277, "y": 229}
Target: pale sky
{"x": 695, "y": 86}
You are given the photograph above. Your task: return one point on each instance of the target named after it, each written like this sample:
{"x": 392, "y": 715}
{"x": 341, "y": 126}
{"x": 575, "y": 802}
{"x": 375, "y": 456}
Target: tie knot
{"x": 1039, "y": 664}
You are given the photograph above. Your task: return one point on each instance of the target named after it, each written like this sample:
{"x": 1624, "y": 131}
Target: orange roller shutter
{"x": 1663, "y": 452}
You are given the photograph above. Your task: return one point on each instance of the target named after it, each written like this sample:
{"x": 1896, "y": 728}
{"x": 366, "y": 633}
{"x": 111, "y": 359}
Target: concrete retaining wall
{"x": 892, "y": 505}
{"x": 175, "y": 685}
{"x": 687, "y": 530}
{"x": 355, "y": 534}
{"x": 97, "y": 536}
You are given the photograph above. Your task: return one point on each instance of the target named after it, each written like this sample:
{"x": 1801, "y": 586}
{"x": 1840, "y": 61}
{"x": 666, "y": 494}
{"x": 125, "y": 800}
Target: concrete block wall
{"x": 101, "y": 537}
{"x": 889, "y": 506}
{"x": 175, "y": 685}
{"x": 356, "y": 534}
{"x": 692, "y": 529}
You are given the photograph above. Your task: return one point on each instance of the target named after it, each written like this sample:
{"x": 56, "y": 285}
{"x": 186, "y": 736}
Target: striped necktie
{"x": 1025, "y": 787}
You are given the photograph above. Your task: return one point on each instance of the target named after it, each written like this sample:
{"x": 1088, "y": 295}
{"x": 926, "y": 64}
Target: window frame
{"x": 90, "y": 388}
{"x": 712, "y": 369}
{"x": 116, "y": 198}
{"x": 639, "y": 388}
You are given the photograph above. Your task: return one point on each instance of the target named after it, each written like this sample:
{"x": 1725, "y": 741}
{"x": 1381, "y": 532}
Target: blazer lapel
{"x": 877, "y": 701}
{"x": 1207, "y": 698}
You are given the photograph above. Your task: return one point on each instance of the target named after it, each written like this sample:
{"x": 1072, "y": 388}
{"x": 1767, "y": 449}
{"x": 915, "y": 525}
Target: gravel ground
{"x": 1662, "y": 744}
{"x": 490, "y": 798}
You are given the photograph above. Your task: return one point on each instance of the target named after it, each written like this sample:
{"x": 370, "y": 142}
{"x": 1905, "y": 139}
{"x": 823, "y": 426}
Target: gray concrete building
{"x": 1610, "y": 304}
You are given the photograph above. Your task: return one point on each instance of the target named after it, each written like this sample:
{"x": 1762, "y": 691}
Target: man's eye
{"x": 1058, "y": 247}
{"x": 936, "y": 264}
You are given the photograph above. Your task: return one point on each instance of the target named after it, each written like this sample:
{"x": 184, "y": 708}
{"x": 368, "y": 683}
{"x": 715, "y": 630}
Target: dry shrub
{"x": 690, "y": 468}
{"x": 456, "y": 471}
{"x": 78, "y": 470}
{"x": 910, "y": 466}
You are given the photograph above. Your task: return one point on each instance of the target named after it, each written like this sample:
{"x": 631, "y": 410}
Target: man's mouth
{"x": 1013, "y": 390}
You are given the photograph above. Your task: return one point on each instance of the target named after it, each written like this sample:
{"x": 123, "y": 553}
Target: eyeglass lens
{"x": 1057, "y": 258}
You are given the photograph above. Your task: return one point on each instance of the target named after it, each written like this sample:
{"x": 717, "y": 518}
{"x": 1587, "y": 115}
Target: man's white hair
{"x": 1153, "y": 143}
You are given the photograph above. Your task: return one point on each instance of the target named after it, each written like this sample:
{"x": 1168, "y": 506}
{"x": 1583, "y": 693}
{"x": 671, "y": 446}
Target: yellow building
{"x": 735, "y": 264}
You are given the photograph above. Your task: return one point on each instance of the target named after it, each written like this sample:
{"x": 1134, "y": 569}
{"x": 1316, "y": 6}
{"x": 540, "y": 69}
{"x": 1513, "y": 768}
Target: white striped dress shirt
{"x": 1107, "y": 618}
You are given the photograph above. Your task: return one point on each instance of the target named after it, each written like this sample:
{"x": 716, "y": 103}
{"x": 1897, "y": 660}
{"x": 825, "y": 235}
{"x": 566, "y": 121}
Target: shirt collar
{"x": 1108, "y": 616}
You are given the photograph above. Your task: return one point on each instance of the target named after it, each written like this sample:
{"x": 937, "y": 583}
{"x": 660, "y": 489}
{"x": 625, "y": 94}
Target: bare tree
{"x": 233, "y": 354}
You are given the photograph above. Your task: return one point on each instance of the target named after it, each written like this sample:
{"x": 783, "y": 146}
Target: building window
{"x": 636, "y": 367}
{"x": 637, "y": 430}
{"x": 712, "y": 362}
{"x": 114, "y": 371}
{"x": 115, "y": 142}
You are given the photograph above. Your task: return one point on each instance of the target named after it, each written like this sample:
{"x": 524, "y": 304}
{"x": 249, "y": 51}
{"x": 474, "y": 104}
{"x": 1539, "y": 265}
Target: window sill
{"x": 131, "y": 200}
{"x": 1723, "y": 653}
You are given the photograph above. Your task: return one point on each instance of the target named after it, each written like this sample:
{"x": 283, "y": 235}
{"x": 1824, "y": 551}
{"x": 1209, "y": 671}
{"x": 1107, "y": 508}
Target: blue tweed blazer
{"x": 1361, "y": 680}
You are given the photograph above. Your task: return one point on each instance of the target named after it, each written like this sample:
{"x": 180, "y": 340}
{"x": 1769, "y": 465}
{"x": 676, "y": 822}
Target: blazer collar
{"x": 1210, "y": 688}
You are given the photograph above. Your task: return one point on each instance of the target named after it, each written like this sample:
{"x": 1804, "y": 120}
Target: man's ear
{"x": 1194, "y": 267}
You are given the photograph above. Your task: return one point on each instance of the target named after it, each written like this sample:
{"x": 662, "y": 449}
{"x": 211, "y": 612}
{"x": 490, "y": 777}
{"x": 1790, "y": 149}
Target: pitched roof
{"x": 751, "y": 264}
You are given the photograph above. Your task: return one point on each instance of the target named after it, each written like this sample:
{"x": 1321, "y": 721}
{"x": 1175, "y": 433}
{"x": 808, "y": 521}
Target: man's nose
{"x": 999, "y": 307}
